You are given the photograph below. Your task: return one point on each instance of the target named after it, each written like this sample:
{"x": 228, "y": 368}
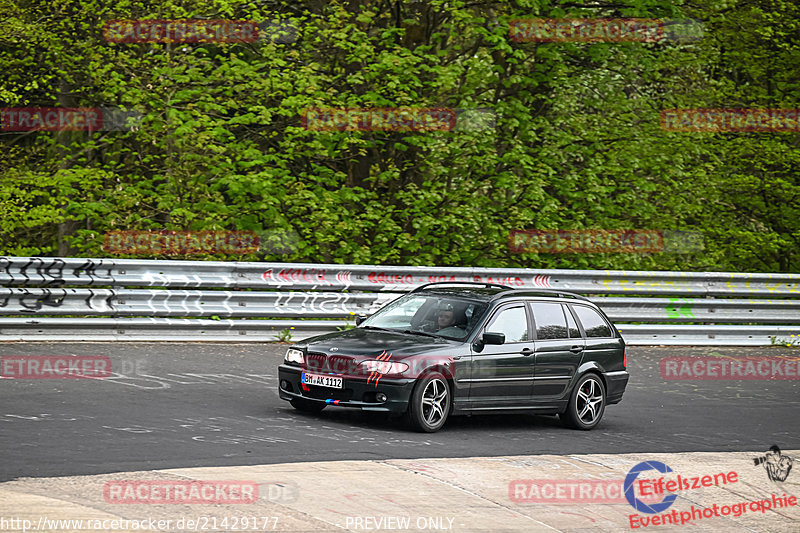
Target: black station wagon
{"x": 465, "y": 348}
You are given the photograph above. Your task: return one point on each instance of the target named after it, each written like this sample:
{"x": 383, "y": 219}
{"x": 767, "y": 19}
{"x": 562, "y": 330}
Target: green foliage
{"x": 577, "y": 142}
{"x": 284, "y": 336}
{"x": 792, "y": 342}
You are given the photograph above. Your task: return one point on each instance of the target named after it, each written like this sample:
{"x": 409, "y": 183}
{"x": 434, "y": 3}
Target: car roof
{"x": 475, "y": 293}
{"x": 490, "y": 292}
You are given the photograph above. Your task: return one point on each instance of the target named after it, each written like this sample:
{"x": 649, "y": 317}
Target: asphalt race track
{"x": 189, "y": 405}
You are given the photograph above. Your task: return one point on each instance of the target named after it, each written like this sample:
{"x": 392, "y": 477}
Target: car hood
{"x": 361, "y": 342}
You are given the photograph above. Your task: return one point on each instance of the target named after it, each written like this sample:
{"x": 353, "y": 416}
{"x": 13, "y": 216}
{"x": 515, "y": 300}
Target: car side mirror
{"x": 493, "y": 338}
{"x": 360, "y": 319}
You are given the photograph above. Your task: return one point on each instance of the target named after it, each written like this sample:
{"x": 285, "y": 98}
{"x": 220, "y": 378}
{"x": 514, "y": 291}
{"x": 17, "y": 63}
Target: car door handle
{"x": 576, "y": 349}
{"x": 526, "y": 352}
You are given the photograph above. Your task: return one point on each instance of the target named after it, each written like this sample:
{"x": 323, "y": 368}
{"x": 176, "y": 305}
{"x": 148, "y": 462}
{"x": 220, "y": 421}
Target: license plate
{"x": 322, "y": 381}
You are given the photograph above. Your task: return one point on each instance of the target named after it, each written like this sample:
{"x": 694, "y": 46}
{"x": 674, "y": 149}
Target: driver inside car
{"x": 448, "y": 323}
{"x": 445, "y": 318}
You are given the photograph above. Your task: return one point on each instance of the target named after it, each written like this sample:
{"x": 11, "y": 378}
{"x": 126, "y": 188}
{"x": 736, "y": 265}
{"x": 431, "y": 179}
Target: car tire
{"x": 307, "y": 406}
{"x": 586, "y": 403}
{"x": 430, "y": 403}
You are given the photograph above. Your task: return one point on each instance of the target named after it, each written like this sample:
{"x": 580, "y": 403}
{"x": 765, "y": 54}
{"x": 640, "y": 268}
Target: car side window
{"x": 574, "y": 332}
{"x": 593, "y": 323}
{"x": 550, "y": 321}
{"x": 511, "y": 322}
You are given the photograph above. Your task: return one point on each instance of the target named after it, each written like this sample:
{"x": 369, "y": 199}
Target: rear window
{"x": 593, "y": 323}
{"x": 550, "y": 321}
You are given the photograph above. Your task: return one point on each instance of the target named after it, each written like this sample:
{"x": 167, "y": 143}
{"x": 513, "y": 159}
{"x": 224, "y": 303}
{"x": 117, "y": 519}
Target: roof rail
{"x": 542, "y": 292}
{"x": 477, "y": 283}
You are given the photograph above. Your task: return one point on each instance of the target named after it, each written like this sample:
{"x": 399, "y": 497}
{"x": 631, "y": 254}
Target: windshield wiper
{"x": 406, "y": 331}
{"x": 425, "y": 333}
{"x": 380, "y": 329}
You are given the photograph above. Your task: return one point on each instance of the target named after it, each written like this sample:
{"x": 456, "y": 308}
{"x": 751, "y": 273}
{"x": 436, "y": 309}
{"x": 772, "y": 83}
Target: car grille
{"x": 341, "y": 364}
{"x": 338, "y": 364}
{"x": 315, "y": 362}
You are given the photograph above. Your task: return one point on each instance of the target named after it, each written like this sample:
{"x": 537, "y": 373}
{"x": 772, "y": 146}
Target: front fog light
{"x": 381, "y": 397}
{"x": 294, "y": 356}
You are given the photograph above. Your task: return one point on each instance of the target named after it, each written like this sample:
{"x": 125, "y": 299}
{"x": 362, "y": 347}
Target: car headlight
{"x": 294, "y": 356}
{"x": 384, "y": 367}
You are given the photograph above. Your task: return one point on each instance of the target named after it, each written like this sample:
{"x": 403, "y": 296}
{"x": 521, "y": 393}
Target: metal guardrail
{"x": 59, "y": 272}
{"x": 701, "y": 335}
{"x": 707, "y": 310}
{"x": 161, "y": 329}
{"x": 41, "y": 288}
{"x": 190, "y": 303}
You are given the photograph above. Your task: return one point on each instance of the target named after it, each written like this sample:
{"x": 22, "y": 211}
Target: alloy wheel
{"x": 434, "y": 402}
{"x": 589, "y": 401}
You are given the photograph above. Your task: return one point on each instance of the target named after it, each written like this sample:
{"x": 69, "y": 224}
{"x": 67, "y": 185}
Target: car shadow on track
{"x": 393, "y": 422}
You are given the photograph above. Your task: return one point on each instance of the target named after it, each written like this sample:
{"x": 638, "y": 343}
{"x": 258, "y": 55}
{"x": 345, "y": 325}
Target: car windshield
{"x": 444, "y": 316}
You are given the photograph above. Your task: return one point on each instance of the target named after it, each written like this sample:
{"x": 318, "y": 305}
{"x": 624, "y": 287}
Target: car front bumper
{"x": 356, "y": 392}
